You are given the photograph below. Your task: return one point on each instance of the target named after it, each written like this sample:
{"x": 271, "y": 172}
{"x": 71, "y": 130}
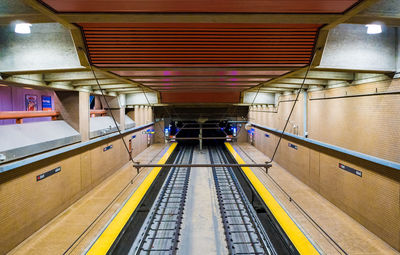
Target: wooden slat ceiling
{"x": 205, "y": 6}
{"x": 131, "y": 45}
{"x": 284, "y": 47}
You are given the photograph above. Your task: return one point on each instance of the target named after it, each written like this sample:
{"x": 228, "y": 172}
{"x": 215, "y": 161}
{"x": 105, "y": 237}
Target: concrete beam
{"x": 116, "y": 86}
{"x": 74, "y": 30}
{"x": 390, "y": 21}
{"x": 324, "y": 75}
{"x": 94, "y": 83}
{"x": 203, "y": 77}
{"x": 44, "y": 71}
{"x": 274, "y": 89}
{"x": 199, "y": 18}
{"x": 324, "y": 31}
{"x": 6, "y": 19}
{"x": 30, "y": 79}
{"x": 73, "y": 76}
{"x": 125, "y": 90}
{"x": 122, "y": 79}
{"x": 287, "y": 86}
{"x": 307, "y": 81}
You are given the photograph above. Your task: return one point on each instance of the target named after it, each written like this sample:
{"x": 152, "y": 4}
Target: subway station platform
{"x": 79, "y": 227}
{"x": 73, "y": 230}
{"x": 351, "y": 236}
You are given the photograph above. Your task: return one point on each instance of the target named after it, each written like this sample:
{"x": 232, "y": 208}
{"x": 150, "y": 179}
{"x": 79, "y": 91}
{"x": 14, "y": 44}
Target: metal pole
{"x": 201, "y": 137}
{"x": 138, "y": 165}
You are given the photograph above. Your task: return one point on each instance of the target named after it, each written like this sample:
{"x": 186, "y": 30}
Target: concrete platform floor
{"x": 350, "y": 235}
{"x": 72, "y": 231}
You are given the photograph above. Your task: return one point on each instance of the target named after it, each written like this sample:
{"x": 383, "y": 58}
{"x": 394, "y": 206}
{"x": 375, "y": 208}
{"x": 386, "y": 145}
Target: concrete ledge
{"x": 52, "y": 153}
{"x": 362, "y": 156}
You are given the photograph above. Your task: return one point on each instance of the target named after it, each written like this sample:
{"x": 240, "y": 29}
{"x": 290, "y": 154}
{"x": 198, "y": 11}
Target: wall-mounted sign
{"x": 130, "y": 143}
{"x": 267, "y": 135}
{"x": 350, "y": 170}
{"x": 31, "y": 103}
{"x": 107, "y": 148}
{"x": 46, "y": 103}
{"x": 292, "y": 146}
{"x": 47, "y": 174}
{"x": 148, "y": 131}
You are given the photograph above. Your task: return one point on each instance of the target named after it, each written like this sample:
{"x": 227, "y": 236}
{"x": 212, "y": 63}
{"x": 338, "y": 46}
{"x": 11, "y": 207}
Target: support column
{"x": 258, "y": 114}
{"x": 305, "y": 112}
{"x": 84, "y": 115}
{"x": 150, "y": 114}
{"x": 250, "y": 115}
{"x": 74, "y": 109}
{"x": 146, "y": 114}
{"x": 122, "y": 105}
{"x": 264, "y": 115}
{"x": 141, "y": 115}
{"x": 136, "y": 115}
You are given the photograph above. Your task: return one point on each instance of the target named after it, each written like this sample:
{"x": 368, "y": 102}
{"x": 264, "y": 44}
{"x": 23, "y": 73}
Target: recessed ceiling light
{"x": 23, "y": 28}
{"x": 373, "y": 29}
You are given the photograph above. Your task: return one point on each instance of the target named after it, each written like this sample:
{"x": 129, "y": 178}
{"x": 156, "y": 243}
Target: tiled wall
{"x": 27, "y": 204}
{"x": 366, "y": 124}
{"x": 369, "y": 124}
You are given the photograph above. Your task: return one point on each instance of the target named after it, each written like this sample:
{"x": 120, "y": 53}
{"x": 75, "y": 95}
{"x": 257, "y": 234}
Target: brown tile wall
{"x": 369, "y": 125}
{"x": 26, "y": 204}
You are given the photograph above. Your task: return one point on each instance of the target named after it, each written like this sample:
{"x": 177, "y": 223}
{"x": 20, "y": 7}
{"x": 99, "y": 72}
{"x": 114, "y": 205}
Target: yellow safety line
{"x": 107, "y": 238}
{"x": 300, "y": 241}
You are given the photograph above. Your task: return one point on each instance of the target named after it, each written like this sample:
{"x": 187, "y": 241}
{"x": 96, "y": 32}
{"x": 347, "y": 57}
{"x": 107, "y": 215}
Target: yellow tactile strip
{"x": 108, "y": 236}
{"x": 300, "y": 241}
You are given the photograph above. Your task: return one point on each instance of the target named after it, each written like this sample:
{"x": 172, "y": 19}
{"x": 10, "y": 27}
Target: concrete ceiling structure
{"x": 203, "y": 51}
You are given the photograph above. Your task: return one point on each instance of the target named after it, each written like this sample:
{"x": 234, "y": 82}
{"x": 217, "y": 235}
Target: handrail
{"x": 93, "y": 113}
{"x": 20, "y": 115}
{"x": 334, "y": 148}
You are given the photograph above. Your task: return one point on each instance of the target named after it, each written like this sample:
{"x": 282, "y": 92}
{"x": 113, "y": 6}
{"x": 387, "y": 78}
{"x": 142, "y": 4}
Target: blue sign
{"x": 46, "y": 103}
{"x": 107, "y": 148}
{"x": 267, "y": 135}
{"x": 292, "y": 146}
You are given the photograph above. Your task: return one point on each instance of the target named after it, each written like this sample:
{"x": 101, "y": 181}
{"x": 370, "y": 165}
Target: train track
{"x": 243, "y": 231}
{"x": 160, "y": 231}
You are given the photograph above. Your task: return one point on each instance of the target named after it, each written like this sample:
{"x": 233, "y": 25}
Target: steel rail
{"x": 160, "y": 232}
{"x": 242, "y": 230}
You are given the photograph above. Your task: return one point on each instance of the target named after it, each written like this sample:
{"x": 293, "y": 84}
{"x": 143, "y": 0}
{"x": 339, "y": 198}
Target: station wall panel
{"x": 367, "y": 124}
{"x": 373, "y": 199}
{"x": 28, "y": 204}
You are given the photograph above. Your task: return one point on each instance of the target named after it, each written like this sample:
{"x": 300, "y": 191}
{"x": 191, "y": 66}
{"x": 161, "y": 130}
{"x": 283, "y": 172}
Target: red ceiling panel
{"x": 233, "y": 73}
{"x": 205, "y": 6}
{"x": 200, "y": 97}
{"x": 129, "y": 44}
{"x": 193, "y": 46}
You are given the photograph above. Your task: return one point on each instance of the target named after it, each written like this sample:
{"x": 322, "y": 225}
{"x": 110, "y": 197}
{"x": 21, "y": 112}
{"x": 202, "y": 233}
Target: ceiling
{"x": 215, "y": 6}
{"x": 206, "y": 45}
{"x": 199, "y": 62}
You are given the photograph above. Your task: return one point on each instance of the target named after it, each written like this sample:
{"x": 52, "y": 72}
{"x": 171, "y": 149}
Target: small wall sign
{"x": 107, "y": 148}
{"x": 291, "y": 145}
{"x": 350, "y": 170}
{"x": 47, "y": 174}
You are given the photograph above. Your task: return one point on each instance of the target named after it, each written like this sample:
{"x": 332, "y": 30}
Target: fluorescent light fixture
{"x": 373, "y": 29}
{"x": 23, "y": 28}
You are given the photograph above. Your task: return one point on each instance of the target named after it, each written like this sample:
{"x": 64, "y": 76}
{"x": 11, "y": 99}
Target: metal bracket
{"x": 138, "y": 165}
